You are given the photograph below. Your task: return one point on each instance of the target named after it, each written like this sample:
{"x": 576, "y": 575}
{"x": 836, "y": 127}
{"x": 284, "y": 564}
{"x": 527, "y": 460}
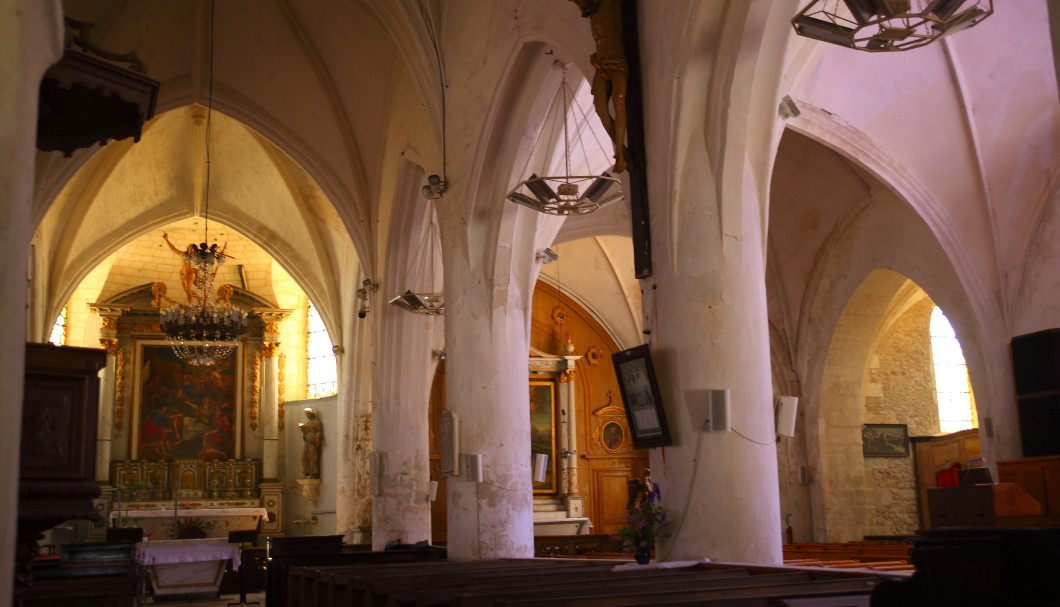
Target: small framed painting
{"x": 885, "y": 440}
{"x": 641, "y": 398}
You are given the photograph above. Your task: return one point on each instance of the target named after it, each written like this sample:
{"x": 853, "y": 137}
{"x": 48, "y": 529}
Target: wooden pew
{"x": 372, "y": 584}
{"x": 351, "y": 583}
{"x": 982, "y": 566}
{"x": 533, "y": 582}
{"x": 97, "y": 574}
{"x": 287, "y": 557}
{"x": 628, "y": 582}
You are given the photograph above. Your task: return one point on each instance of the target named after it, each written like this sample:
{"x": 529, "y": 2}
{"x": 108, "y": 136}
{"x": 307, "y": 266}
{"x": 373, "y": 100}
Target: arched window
{"x": 956, "y": 406}
{"x": 321, "y": 372}
{"x": 58, "y": 334}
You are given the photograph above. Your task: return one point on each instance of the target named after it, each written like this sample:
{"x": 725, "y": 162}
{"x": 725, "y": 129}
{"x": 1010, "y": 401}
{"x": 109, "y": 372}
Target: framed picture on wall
{"x": 641, "y": 398}
{"x": 184, "y": 411}
{"x": 885, "y": 440}
{"x": 543, "y": 430}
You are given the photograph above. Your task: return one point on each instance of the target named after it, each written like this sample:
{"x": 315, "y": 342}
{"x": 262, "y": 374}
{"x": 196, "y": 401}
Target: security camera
{"x": 362, "y": 294}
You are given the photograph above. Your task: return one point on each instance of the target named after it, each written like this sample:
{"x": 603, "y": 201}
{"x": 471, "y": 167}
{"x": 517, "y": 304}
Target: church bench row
{"x": 558, "y": 582}
{"x": 865, "y": 551}
{"x": 287, "y": 552}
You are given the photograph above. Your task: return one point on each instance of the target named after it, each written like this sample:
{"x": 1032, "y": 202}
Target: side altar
{"x": 174, "y": 499}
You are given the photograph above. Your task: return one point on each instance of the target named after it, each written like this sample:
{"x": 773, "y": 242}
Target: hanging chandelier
{"x": 208, "y": 328}
{"x": 427, "y": 263}
{"x": 566, "y": 194}
{"x": 888, "y": 25}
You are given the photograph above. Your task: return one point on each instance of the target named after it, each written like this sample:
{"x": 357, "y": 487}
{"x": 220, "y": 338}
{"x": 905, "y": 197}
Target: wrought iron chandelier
{"x": 208, "y": 328}
{"x": 428, "y": 261}
{"x": 888, "y": 25}
{"x": 564, "y": 194}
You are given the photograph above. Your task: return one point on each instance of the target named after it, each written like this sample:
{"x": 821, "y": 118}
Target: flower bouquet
{"x": 643, "y": 522}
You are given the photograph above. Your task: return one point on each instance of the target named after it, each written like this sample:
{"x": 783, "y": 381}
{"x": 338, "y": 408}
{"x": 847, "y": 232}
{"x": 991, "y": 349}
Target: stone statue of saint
{"x": 312, "y": 433}
{"x": 612, "y": 70}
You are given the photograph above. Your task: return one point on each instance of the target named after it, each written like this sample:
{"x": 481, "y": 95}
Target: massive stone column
{"x": 486, "y": 386}
{"x": 30, "y": 41}
{"x": 705, "y": 310}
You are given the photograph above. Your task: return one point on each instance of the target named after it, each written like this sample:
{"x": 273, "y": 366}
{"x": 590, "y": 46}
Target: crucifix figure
{"x": 612, "y": 71}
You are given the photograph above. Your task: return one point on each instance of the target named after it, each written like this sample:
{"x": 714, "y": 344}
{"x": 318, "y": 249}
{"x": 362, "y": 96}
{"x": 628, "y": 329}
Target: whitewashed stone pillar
{"x": 705, "y": 308}
{"x": 270, "y": 402}
{"x": 268, "y": 416}
{"x": 486, "y": 342}
{"x": 568, "y": 451}
{"x": 111, "y": 389}
{"x": 30, "y": 41}
{"x": 105, "y": 415}
{"x": 401, "y": 510}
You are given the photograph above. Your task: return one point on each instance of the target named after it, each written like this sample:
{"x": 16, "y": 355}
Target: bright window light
{"x": 321, "y": 371}
{"x": 58, "y": 334}
{"x": 956, "y": 405}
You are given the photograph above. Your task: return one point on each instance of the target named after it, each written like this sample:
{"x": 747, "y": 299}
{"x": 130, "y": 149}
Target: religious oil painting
{"x": 885, "y": 440}
{"x": 185, "y": 411}
{"x": 543, "y": 430}
{"x": 641, "y": 397}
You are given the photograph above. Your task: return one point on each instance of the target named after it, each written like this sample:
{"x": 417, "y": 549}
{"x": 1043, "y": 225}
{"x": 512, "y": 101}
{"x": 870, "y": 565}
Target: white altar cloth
{"x": 165, "y": 552}
{"x": 187, "y": 566}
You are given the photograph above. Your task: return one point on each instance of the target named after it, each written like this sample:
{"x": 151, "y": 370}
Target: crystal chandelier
{"x": 564, "y": 194}
{"x": 888, "y": 25}
{"x": 208, "y": 328}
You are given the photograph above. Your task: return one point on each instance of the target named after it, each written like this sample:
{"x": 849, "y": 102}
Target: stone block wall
{"x": 901, "y": 390}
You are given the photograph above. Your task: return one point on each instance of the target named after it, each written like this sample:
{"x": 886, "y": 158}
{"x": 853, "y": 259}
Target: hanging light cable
{"x": 563, "y": 194}
{"x": 208, "y": 328}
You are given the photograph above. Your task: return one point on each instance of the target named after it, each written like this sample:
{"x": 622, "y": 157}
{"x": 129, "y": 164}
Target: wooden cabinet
{"x": 933, "y": 454}
{"x": 57, "y": 460}
{"x": 1038, "y": 476}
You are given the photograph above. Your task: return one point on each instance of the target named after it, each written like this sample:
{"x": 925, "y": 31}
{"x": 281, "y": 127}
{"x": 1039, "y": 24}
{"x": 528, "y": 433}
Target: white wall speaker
{"x": 720, "y": 408}
{"x": 474, "y": 467}
{"x": 540, "y": 465}
{"x": 432, "y": 493}
{"x": 787, "y": 407}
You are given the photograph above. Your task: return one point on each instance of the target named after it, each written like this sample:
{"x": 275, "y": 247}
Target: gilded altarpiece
{"x": 181, "y": 435}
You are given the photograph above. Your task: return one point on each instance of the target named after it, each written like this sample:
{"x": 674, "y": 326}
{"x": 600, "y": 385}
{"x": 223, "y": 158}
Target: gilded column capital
{"x": 270, "y": 349}
{"x": 110, "y": 344}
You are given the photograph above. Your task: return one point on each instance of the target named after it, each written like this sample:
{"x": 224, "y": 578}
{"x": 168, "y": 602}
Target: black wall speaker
{"x": 1036, "y": 361}
{"x": 1040, "y": 425}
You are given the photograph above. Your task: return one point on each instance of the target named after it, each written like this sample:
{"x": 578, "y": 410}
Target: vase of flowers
{"x": 643, "y": 522}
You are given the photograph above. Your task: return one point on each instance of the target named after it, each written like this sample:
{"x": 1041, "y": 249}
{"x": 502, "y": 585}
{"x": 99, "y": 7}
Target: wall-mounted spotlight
{"x": 435, "y": 187}
{"x": 787, "y": 108}
{"x": 546, "y": 256}
{"x": 367, "y": 288}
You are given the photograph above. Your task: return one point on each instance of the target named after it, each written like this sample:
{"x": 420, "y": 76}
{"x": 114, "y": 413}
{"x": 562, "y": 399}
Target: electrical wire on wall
{"x": 429, "y": 25}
